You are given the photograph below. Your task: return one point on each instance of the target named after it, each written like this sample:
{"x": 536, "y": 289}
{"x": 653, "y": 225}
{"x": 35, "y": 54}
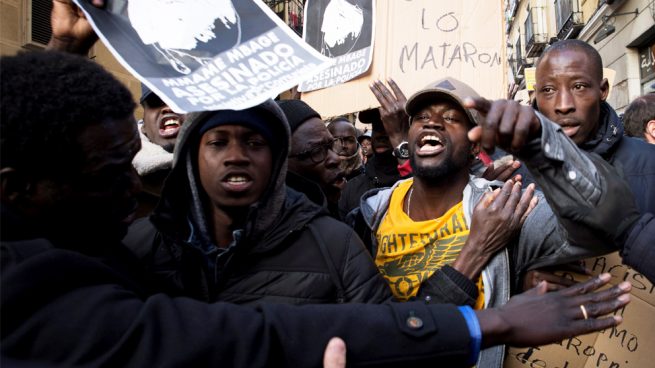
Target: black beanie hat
{"x": 252, "y": 118}
{"x": 145, "y": 93}
{"x": 297, "y": 112}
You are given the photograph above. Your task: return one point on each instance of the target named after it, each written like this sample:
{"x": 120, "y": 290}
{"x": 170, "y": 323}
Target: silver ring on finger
{"x": 584, "y": 312}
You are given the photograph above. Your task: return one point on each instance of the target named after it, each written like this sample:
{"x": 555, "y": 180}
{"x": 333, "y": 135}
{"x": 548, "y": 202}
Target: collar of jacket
{"x": 307, "y": 187}
{"x": 151, "y": 157}
{"x": 609, "y": 134}
{"x": 382, "y": 169}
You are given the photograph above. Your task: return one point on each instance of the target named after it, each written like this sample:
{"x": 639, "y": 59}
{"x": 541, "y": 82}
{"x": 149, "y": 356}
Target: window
{"x": 38, "y": 23}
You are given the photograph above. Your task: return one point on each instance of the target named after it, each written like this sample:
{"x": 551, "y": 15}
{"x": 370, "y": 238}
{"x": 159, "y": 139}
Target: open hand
{"x": 537, "y": 317}
{"x": 392, "y": 110}
{"x": 496, "y": 219}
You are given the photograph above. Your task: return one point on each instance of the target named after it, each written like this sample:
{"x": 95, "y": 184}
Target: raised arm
{"x": 71, "y": 31}
{"x": 392, "y": 112}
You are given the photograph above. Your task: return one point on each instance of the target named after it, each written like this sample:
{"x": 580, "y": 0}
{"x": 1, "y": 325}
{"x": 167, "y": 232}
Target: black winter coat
{"x": 631, "y": 156}
{"x": 286, "y": 248}
{"x": 64, "y": 308}
{"x": 381, "y": 171}
{"x": 308, "y": 257}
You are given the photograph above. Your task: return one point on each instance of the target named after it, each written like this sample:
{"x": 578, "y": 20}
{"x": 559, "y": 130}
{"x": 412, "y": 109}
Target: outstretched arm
{"x": 101, "y": 319}
{"x": 568, "y": 176}
{"x": 569, "y": 312}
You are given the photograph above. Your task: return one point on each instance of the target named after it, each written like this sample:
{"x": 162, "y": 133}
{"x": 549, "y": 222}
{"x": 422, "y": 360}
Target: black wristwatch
{"x": 402, "y": 151}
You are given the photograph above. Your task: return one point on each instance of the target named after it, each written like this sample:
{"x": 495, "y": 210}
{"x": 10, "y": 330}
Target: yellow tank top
{"x": 411, "y": 251}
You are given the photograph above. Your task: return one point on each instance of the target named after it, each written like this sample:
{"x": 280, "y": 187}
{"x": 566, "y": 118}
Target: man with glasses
{"x": 347, "y": 147}
{"x": 381, "y": 168}
{"x": 314, "y": 165}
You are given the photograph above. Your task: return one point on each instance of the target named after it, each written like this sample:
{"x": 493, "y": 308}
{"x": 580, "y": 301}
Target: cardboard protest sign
{"x": 344, "y": 31}
{"x": 626, "y": 345}
{"x": 205, "y": 54}
{"x": 419, "y": 41}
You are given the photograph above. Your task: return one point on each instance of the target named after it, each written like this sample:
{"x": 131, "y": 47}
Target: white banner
{"x": 205, "y": 54}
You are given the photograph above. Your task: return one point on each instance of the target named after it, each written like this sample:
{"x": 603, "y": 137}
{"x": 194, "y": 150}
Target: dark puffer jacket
{"x": 288, "y": 251}
{"x": 380, "y": 172}
{"x": 633, "y": 157}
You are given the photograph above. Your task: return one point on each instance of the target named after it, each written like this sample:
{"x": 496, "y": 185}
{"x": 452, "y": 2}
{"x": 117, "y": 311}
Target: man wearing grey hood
{"x": 227, "y": 228}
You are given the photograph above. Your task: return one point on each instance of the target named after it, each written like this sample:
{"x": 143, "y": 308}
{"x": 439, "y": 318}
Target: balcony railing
{"x": 512, "y": 6}
{"x": 536, "y": 34}
{"x": 520, "y": 64}
{"x": 569, "y": 18}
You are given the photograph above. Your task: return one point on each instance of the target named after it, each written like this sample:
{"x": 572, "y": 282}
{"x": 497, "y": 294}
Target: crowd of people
{"x": 269, "y": 237}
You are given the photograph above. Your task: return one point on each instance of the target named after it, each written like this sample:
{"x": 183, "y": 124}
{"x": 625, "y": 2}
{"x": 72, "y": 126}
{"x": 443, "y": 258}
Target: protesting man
{"x": 571, "y": 91}
{"x": 160, "y": 125}
{"x": 347, "y": 146}
{"x": 72, "y": 295}
{"x": 158, "y": 131}
{"x": 422, "y": 232}
{"x": 314, "y": 165}
{"x": 228, "y": 228}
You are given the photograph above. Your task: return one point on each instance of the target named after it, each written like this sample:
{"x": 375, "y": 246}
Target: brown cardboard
{"x": 641, "y": 287}
{"x": 419, "y": 41}
{"x": 628, "y": 345}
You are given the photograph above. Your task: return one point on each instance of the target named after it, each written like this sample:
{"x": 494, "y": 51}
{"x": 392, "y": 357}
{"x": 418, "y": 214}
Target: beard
{"x": 453, "y": 163}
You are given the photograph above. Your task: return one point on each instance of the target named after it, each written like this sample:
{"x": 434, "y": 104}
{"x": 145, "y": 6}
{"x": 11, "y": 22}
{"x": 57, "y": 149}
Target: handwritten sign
{"x": 419, "y": 41}
{"x": 628, "y": 345}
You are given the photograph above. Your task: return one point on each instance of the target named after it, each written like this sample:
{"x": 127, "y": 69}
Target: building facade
{"x": 623, "y": 32}
{"x": 25, "y": 25}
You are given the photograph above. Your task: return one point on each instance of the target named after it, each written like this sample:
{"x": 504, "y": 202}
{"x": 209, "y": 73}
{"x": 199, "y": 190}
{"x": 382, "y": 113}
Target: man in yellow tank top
{"x": 445, "y": 236}
{"x": 425, "y": 229}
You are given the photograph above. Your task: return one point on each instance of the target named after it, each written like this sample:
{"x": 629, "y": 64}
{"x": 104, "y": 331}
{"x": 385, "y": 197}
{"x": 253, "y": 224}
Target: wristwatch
{"x": 402, "y": 151}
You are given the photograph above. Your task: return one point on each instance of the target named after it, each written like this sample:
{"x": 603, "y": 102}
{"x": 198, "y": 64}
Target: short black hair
{"x": 46, "y": 100}
{"x": 577, "y": 45}
{"x": 341, "y": 119}
{"x": 640, "y": 111}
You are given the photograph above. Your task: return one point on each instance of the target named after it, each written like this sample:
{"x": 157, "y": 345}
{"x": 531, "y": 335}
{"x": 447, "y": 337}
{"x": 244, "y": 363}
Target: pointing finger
{"x": 475, "y": 134}
{"x": 479, "y": 103}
